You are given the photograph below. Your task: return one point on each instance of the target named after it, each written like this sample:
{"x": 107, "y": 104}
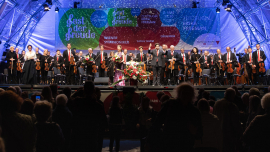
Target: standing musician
{"x": 57, "y": 60}
{"x": 229, "y": 58}
{"x": 156, "y": 62}
{"x": 67, "y": 55}
{"x": 259, "y": 57}
{"x": 126, "y": 58}
{"x": 183, "y": 61}
{"x": 22, "y": 62}
{"x": 206, "y": 60}
{"x": 11, "y": 58}
{"x": 80, "y": 65}
{"x": 218, "y": 60}
{"x": 45, "y": 63}
{"x": 38, "y": 60}
{"x": 163, "y": 81}
{"x": 110, "y": 66}
{"x": 195, "y": 58}
{"x": 51, "y": 59}
{"x": 173, "y": 73}
{"x": 140, "y": 56}
{"x": 19, "y": 57}
{"x": 249, "y": 63}
{"x": 102, "y": 56}
{"x": 89, "y": 67}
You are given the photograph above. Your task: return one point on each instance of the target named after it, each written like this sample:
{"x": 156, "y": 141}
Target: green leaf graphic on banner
{"x": 121, "y": 17}
{"x": 76, "y": 28}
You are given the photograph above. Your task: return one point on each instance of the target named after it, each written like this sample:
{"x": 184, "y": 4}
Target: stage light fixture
{"x": 195, "y": 4}
{"x": 7, "y": 45}
{"x": 228, "y": 8}
{"x": 49, "y": 2}
{"x": 218, "y": 10}
{"x": 174, "y": 5}
{"x": 56, "y": 9}
{"x": 46, "y": 7}
{"x": 76, "y": 4}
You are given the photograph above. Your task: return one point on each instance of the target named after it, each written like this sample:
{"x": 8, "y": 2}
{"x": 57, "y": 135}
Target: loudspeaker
{"x": 101, "y": 80}
{"x": 128, "y": 90}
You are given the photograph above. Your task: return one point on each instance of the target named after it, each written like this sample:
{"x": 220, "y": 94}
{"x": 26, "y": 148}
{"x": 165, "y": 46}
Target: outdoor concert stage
{"x": 107, "y": 88}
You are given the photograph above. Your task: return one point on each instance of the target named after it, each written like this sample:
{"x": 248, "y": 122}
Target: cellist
{"x": 183, "y": 61}
{"x": 173, "y": 56}
{"x": 195, "y": 58}
{"x": 259, "y": 57}
{"x": 218, "y": 60}
{"x": 229, "y": 58}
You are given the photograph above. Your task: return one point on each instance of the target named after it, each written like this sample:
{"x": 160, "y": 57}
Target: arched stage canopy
{"x": 24, "y": 22}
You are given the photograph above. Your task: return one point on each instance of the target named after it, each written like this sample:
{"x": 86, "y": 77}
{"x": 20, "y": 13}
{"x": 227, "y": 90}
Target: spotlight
{"x": 76, "y": 4}
{"x": 228, "y": 8}
{"x": 7, "y": 45}
{"x": 46, "y": 7}
{"x": 56, "y": 9}
{"x": 218, "y": 10}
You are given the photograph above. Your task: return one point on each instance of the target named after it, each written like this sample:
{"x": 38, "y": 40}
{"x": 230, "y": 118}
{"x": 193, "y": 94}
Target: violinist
{"x": 110, "y": 66}
{"x": 102, "y": 57}
{"x": 126, "y": 58}
{"x": 249, "y": 60}
{"x": 163, "y": 80}
{"x": 259, "y": 57}
{"x": 140, "y": 56}
{"x": 38, "y": 60}
{"x": 11, "y": 57}
{"x": 80, "y": 65}
{"x": 229, "y": 59}
{"x": 51, "y": 59}
{"x": 206, "y": 60}
{"x": 67, "y": 56}
{"x": 218, "y": 61}
{"x": 183, "y": 61}
{"x": 45, "y": 63}
{"x": 19, "y": 57}
{"x": 195, "y": 58}
{"x": 89, "y": 67}
{"x": 57, "y": 59}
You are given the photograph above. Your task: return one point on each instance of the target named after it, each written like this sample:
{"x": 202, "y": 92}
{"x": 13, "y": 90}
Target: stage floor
{"x": 137, "y": 88}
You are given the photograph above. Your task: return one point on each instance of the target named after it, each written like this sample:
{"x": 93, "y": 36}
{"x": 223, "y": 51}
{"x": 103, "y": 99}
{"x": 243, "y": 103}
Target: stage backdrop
{"x": 134, "y": 27}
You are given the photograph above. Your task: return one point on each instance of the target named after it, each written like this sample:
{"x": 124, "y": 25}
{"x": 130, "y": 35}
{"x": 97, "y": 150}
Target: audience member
{"x": 18, "y": 90}
{"x": 27, "y": 107}
{"x": 160, "y": 94}
{"x": 254, "y": 108}
{"x": 25, "y": 95}
{"x": 115, "y": 123}
{"x": 1, "y": 90}
{"x": 245, "y": 100}
{"x": 54, "y": 89}
{"x": 254, "y": 91}
{"x": 67, "y": 92}
{"x": 212, "y": 134}
{"x": 36, "y": 97}
{"x": 256, "y": 136}
{"x": 163, "y": 99}
{"x": 47, "y": 95}
{"x": 18, "y": 129}
{"x": 62, "y": 116}
{"x": 49, "y": 134}
{"x": 182, "y": 122}
{"x": 237, "y": 99}
{"x": 146, "y": 116}
{"x": 12, "y": 89}
{"x": 211, "y": 105}
{"x": 2, "y": 144}
{"x": 206, "y": 95}
{"x": 228, "y": 114}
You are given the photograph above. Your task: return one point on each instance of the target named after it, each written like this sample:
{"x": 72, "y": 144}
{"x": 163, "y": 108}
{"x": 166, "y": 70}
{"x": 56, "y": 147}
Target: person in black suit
{"x": 38, "y": 60}
{"x": 228, "y": 58}
{"x": 19, "y": 57}
{"x": 183, "y": 61}
{"x": 89, "y": 67}
{"x": 57, "y": 59}
{"x": 195, "y": 58}
{"x": 259, "y": 57}
{"x": 206, "y": 60}
{"x": 11, "y": 56}
{"x": 156, "y": 62}
{"x": 102, "y": 56}
{"x": 164, "y": 73}
{"x": 67, "y": 54}
{"x": 218, "y": 59}
{"x": 140, "y": 57}
{"x": 44, "y": 59}
{"x": 126, "y": 58}
{"x": 249, "y": 60}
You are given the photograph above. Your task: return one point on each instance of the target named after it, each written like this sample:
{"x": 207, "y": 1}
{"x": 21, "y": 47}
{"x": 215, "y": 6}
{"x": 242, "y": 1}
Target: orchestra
{"x": 166, "y": 66}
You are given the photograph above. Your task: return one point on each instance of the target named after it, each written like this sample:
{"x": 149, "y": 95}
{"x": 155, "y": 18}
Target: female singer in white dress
{"x": 29, "y": 69}
{"x": 118, "y": 74}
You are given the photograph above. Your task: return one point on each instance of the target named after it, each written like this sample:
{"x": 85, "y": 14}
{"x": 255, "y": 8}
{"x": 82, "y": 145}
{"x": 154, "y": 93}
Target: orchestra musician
{"x": 45, "y": 59}
{"x": 67, "y": 54}
{"x": 89, "y": 67}
{"x": 259, "y": 57}
{"x": 38, "y": 55}
{"x": 57, "y": 59}
{"x": 195, "y": 58}
{"x": 19, "y": 58}
{"x": 218, "y": 59}
{"x": 183, "y": 61}
{"x": 11, "y": 59}
{"x": 229, "y": 58}
{"x": 249, "y": 60}
{"x": 29, "y": 68}
{"x": 163, "y": 80}
{"x": 126, "y": 58}
{"x": 110, "y": 66}
{"x": 205, "y": 63}
{"x": 80, "y": 64}
{"x": 140, "y": 56}
{"x": 101, "y": 56}
{"x": 156, "y": 62}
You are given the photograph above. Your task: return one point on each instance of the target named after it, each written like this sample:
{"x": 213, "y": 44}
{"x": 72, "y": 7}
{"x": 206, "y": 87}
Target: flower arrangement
{"x": 134, "y": 72}
{"x": 117, "y": 59}
{"x": 88, "y": 60}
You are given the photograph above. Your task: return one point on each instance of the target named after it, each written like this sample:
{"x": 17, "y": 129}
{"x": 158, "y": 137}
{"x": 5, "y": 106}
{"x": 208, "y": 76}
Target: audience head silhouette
{"x": 185, "y": 92}
{"x": 89, "y": 88}
{"x": 203, "y": 105}
{"x": 10, "y": 102}
{"x": 43, "y": 110}
{"x": 229, "y": 94}
{"x": 266, "y": 102}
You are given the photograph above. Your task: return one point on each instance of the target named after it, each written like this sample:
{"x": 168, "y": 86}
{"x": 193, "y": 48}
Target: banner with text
{"x": 134, "y": 27}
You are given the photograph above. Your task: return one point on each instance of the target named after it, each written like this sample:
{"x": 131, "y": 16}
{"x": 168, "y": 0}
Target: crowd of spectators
{"x": 49, "y": 121}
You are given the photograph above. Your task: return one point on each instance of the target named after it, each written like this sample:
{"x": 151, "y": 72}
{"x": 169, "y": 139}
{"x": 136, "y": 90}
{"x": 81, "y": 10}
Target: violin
{"x": 10, "y": 65}
{"x": 261, "y": 67}
{"x": 230, "y": 69}
{"x": 254, "y": 71}
{"x": 166, "y": 66}
{"x": 46, "y": 67}
{"x": 72, "y": 62}
{"x": 222, "y": 66}
{"x": 151, "y": 76}
{"x": 38, "y": 66}
{"x": 171, "y": 66}
{"x": 103, "y": 65}
{"x": 75, "y": 69}
{"x": 19, "y": 66}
